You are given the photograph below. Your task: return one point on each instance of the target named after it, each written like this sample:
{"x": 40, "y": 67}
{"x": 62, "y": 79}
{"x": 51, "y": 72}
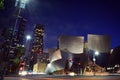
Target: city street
{"x": 58, "y": 77}
{"x": 59, "y": 40}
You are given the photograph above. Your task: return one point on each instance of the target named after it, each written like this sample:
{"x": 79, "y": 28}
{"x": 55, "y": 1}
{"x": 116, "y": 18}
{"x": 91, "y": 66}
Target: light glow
{"x": 72, "y": 74}
{"x": 24, "y": 1}
{"x": 23, "y": 73}
{"x": 96, "y": 53}
{"x": 28, "y": 37}
{"x": 94, "y": 59}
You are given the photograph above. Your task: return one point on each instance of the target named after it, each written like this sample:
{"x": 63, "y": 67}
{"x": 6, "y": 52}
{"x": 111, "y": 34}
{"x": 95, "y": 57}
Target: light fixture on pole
{"x": 96, "y": 53}
{"x": 94, "y": 60}
{"x": 28, "y": 47}
{"x": 27, "y": 44}
{"x": 28, "y": 37}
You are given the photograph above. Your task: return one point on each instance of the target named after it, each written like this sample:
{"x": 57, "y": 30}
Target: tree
{"x": 19, "y": 51}
{"x": 1, "y": 4}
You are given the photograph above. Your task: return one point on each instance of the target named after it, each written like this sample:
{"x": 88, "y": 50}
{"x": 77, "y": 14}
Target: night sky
{"x": 69, "y": 17}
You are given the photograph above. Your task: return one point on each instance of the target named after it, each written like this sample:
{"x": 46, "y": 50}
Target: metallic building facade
{"x": 60, "y": 60}
{"x": 73, "y": 53}
{"x": 71, "y": 44}
{"x": 69, "y": 54}
{"x": 100, "y": 43}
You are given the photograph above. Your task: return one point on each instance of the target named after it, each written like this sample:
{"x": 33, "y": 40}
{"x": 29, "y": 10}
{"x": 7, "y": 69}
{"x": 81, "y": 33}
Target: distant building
{"x": 38, "y": 38}
{"x": 71, "y": 44}
{"x": 37, "y": 49}
{"x": 100, "y": 43}
{"x": 69, "y": 56}
{"x": 74, "y": 54}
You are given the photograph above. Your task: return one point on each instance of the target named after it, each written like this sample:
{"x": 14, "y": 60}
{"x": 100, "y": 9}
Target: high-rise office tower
{"x": 38, "y": 48}
{"x": 38, "y": 38}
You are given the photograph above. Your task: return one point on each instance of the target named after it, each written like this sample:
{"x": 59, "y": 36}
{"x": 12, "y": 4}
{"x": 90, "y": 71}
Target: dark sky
{"x": 69, "y": 17}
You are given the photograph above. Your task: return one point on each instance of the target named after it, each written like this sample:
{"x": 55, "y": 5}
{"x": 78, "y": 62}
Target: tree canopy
{"x": 1, "y": 4}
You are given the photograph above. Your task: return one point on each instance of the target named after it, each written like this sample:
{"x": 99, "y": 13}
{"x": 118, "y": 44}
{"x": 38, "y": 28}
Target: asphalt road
{"x": 55, "y": 77}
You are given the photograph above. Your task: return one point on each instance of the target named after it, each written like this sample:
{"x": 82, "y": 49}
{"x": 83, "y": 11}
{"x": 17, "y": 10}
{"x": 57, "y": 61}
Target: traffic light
{"x": 21, "y": 29}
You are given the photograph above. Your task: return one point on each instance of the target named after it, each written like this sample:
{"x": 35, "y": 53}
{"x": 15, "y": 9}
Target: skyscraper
{"x": 38, "y": 38}
{"x": 37, "y": 48}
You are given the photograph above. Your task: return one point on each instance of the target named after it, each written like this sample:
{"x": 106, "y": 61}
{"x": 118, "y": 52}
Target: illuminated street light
{"x": 28, "y": 37}
{"x": 28, "y": 47}
{"x": 94, "y": 59}
{"x": 96, "y": 53}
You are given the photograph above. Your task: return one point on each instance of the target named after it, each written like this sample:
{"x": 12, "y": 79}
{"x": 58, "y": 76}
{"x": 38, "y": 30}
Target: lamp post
{"x": 94, "y": 60}
{"x": 27, "y": 46}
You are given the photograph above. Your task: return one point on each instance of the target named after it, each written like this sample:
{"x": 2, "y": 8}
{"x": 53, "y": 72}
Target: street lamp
{"x": 27, "y": 44}
{"x": 94, "y": 59}
{"x": 96, "y": 53}
{"x": 28, "y": 37}
{"x": 27, "y": 53}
